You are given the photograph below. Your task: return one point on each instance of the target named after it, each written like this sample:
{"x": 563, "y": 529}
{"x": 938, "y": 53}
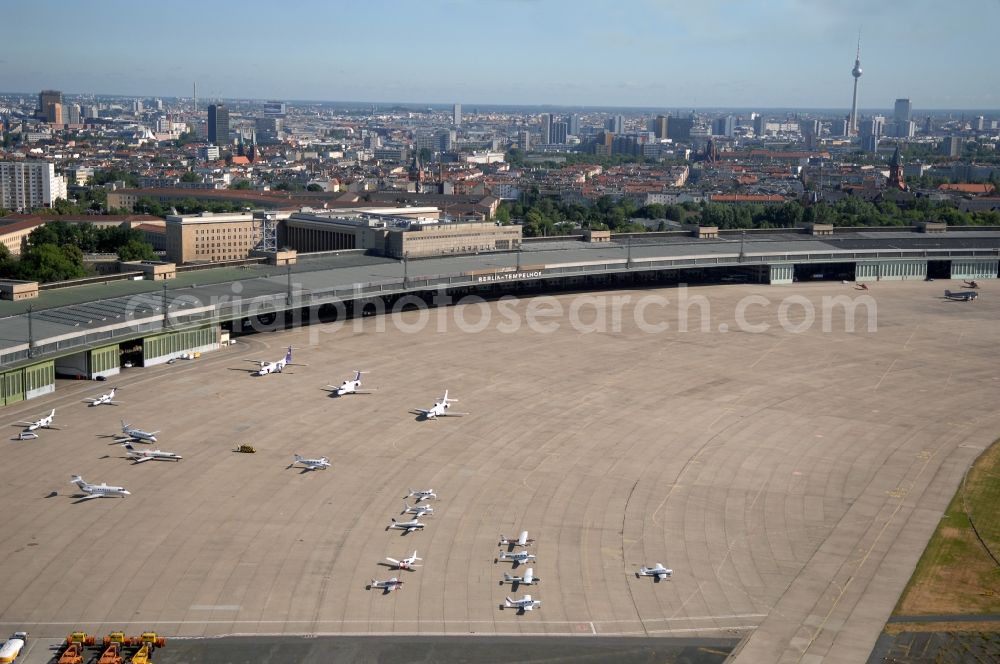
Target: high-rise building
{"x": 546, "y": 128}
{"x": 841, "y": 127}
{"x": 679, "y": 129}
{"x": 901, "y": 112}
{"x": 979, "y": 124}
{"x": 951, "y": 146}
{"x": 616, "y": 124}
{"x": 54, "y": 113}
{"x": 557, "y": 133}
{"x": 136, "y": 106}
{"x": 29, "y": 184}
{"x": 524, "y": 140}
{"x": 72, "y": 113}
{"x": 758, "y": 126}
{"x": 873, "y": 126}
{"x": 573, "y": 124}
{"x": 456, "y": 114}
{"x": 869, "y": 142}
{"x": 724, "y": 126}
{"x": 852, "y": 124}
{"x": 268, "y": 130}
{"x": 660, "y": 126}
{"x": 218, "y": 124}
{"x": 47, "y": 98}
{"x": 275, "y": 108}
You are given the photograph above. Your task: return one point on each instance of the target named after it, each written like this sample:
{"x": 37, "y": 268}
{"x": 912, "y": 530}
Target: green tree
{"x": 241, "y": 185}
{"x": 425, "y": 155}
{"x": 136, "y": 250}
{"x": 314, "y": 187}
{"x": 503, "y": 214}
{"x": 190, "y": 176}
{"x": 49, "y": 262}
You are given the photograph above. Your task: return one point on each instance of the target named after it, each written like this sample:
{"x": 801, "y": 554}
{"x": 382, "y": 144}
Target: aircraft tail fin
{"x": 77, "y": 480}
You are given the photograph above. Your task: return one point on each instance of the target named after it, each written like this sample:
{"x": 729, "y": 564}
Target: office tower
{"x": 901, "y": 112}
{"x": 759, "y": 126}
{"x": 840, "y": 127}
{"x": 557, "y": 132}
{"x": 979, "y": 124}
{"x": 951, "y": 146}
{"x": 679, "y": 129}
{"x": 810, "y": 127}
{"x": 158, "y": 104}
{"x": 869, "y": 142}
{"x": 616, "y": 124}
{"x": 72, "y": 113}
{"x": 872, "y": 127}
{"x": 268, "y": 130}
{"x": 275, "y": 108}
{"x": 54, "y": 113}
{"x": 660, "y": 126}
{"x": 218, "y": 124}
{"x": 546, "y": 128}
{"x": 852, "y": 125}
{"x": 29, "y": 184}
{"x": 456, "y": 114}
{"x": 45, "y": 99}
{"x": 136, "y": 106}
{"x": 573, "y": 124}
{"x": 724, "y": 126}
{"x": 928, "y": 125}
{"x": 524, "y": 140}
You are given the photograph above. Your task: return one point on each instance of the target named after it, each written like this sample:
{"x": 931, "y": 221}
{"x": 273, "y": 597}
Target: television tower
{"x": 852, "y": 125}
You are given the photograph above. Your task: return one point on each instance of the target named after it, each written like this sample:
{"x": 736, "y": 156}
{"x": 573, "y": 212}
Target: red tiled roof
{"x": 968, "y": 187}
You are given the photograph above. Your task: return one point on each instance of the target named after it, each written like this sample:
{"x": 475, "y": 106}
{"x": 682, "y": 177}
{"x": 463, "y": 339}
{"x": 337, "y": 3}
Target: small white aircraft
{"x": 658, "y": 572}
{"x": 529, "y": 579}
{"x": 405, "y": 563}
{"x": 421, "y": 494}
{"x": 386, "y": 586}
{"x": 103, "y": 399}
{"x": 275, "y": 367}
{"x": 522, "y": 605}
{"x": 419, "y": 510}
{"x": 440, "y": 409}
{"x": 101, "y": 490}
{"x": 352, "y": 386}
{"x": 134, "y": 435}
{"x": 522, "y": 541}
{"x": 406, "y": 526}
{"x": 140, "y": 456}
{"x": 311, "y": 464}
{"x": 516, "y": 558}
{"x": 43, "y": 423}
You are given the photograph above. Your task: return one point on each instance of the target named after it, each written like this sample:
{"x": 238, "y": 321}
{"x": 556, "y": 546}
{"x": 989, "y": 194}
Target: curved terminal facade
{"x": 90, "y": 331}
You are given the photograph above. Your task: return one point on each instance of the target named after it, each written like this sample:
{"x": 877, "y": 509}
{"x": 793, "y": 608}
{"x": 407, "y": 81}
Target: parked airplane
{"x": 352, "y": 386}
{"x": 101, "y": 490}
{"x": 440, "y": 409}
{"x": 970, "y": 284}
{"x": 516, "y": 558}
{"x": 311, "y": 464}
{"x": 103, "y": 399}
{"x": 522, "y": 605}
{"x": 139, "y": 456}
{"x": 529, "y": 579}
{"x": 387, "y": 586}
{"x": 419, "y": 510}
{"x": 406, "y": 526}
{"x": 134, "y": 435}
{"x": 405, "y": 563}
{"x": 275, "y": 367}
{"x": 523, "y": 541}
{"x": 43, "y": 423}
{"x": 424, "y": 494}
{"x": 961, "y": 296}
{"x": 658, "y": 572}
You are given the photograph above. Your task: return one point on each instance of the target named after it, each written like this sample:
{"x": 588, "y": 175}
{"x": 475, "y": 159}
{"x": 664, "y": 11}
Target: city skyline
{"x": 642, "y": 54}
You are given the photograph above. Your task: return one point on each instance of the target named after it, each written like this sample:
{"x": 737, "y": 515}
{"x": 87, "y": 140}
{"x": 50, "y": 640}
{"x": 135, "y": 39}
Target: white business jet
{"x": 101, "y": 490}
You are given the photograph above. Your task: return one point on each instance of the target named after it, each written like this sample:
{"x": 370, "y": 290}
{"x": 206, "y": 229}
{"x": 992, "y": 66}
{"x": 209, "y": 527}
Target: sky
{"x": 641, "y": 53}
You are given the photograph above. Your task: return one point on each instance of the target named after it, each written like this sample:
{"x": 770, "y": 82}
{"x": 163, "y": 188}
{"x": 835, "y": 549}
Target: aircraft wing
{"x": 447, "y": 414}
{"x": 661, "y": 575}
{"x": 140, "y": 459}
{"x": 90, "y": 495}
{"x": 422, "y": 411}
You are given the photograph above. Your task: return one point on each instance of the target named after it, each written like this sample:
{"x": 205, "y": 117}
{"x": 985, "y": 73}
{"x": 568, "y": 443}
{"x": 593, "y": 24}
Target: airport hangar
{"x": 90, "y": 331}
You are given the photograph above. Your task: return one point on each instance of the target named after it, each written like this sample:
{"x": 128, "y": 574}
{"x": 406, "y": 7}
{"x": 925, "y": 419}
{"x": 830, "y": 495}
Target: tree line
{"x": 54, "y": 252}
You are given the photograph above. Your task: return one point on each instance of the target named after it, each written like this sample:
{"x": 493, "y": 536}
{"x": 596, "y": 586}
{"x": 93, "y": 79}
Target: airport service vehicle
{"x": 658, "y": 572}
{"x": 141, "y": 456}
{"x": 103, "y": 399}
{"x": 387, "y": 586}
{"x": 13, "y": 646}
{"x": 961, "y": 296}
{"x": 523, "y": 540}
{"x": 516, "y": 558}
{"x": 419, "y": 510}
{"x": 522, "y": 605}
{"x": 311, "y": 464}
{"x": 135, "y": 435}
{"x": 41, "y": 423}
{"x": 406, "y": 526}
{"x": 101, "y": 490}
{"x": 440, "y": 409}
{"x": 278, "y": 366}
{"x": 352, "y": 386}
{"x": 422, "y": 494}
{"x": 529, "y": 579}
{"x": 405, "y": 563}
